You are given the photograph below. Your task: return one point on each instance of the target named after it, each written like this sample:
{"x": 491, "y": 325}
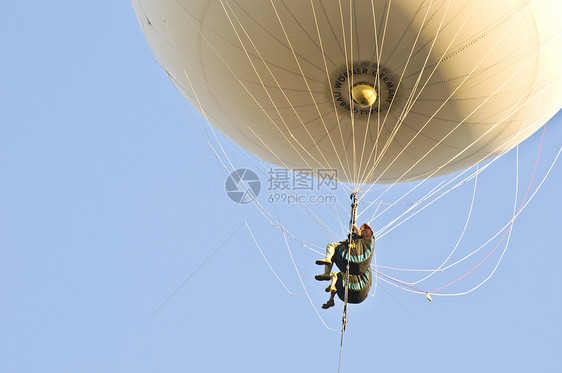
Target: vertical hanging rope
{"x": 352, "y": 221}
{"x": 350, "y": 244}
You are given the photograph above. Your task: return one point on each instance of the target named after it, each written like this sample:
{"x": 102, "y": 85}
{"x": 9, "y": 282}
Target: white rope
{"x": 493, "y": 237}
{"x": 530, "y": 98}
{"x": 466, "y": 257}
{"x": 315, "y": 218}
{"x": 263, "y": 211}
{"x": 275, "y": 106}
{"x": 308, "y": 88}
{"x": 267, "y": 261}
{"x": 460, "y": 237}
{"x": 395, "y": 129}
{"x": 329, "y": 80}
{"x": 256, "y": 101}
{"x": 460, "y": 123}
{"x": 520, "y": 130}
{"x": 228, "y": 158}
{"x": 511, "y": 221}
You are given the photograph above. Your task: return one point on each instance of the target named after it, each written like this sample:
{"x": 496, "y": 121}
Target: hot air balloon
{"x": 383, "y": 91}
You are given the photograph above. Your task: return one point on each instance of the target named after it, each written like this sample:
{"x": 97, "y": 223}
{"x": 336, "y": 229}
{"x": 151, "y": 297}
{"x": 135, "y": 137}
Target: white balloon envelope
{"x": 381, "y": 91}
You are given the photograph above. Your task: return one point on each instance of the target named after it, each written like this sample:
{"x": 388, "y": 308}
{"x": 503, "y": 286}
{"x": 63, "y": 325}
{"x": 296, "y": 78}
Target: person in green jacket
{"x": 358, "y": 255}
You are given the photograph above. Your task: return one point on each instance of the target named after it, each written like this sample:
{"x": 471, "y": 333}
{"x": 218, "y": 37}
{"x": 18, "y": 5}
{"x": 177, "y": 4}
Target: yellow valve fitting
{"x": 364, "y": 94}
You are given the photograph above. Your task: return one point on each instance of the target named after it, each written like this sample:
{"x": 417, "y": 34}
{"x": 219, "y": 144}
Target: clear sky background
{"x": 110, "y": 197}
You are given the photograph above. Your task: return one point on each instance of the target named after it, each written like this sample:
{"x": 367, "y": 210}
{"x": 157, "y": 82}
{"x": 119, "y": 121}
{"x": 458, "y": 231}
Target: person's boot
{"x": 322, "y": 277}
{"x": 326, "y": 275}
{"x": 323, "y": 262}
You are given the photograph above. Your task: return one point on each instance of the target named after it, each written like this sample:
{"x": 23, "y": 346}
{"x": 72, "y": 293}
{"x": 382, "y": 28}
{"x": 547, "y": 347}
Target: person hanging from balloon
{"x": 357, "y": 251}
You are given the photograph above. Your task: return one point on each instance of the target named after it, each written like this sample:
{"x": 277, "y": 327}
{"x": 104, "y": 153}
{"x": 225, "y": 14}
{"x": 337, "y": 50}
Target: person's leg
{"x": 332, "y": 290}
{"x": 330, "y": 250}
{"x": 330, "y": 302}
{"x": 327, "y": 262}
{"x": 333, "y": 280}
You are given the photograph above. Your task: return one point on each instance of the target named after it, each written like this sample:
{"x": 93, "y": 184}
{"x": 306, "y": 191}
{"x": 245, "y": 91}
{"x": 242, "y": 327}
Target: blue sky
{"x": 111, "y": 197}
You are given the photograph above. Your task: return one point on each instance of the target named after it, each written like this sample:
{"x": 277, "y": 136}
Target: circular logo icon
{"x": 243, "y": 186}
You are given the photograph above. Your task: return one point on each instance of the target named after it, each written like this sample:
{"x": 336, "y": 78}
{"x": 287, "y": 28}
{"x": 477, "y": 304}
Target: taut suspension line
{"x": 350, "y": 243}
